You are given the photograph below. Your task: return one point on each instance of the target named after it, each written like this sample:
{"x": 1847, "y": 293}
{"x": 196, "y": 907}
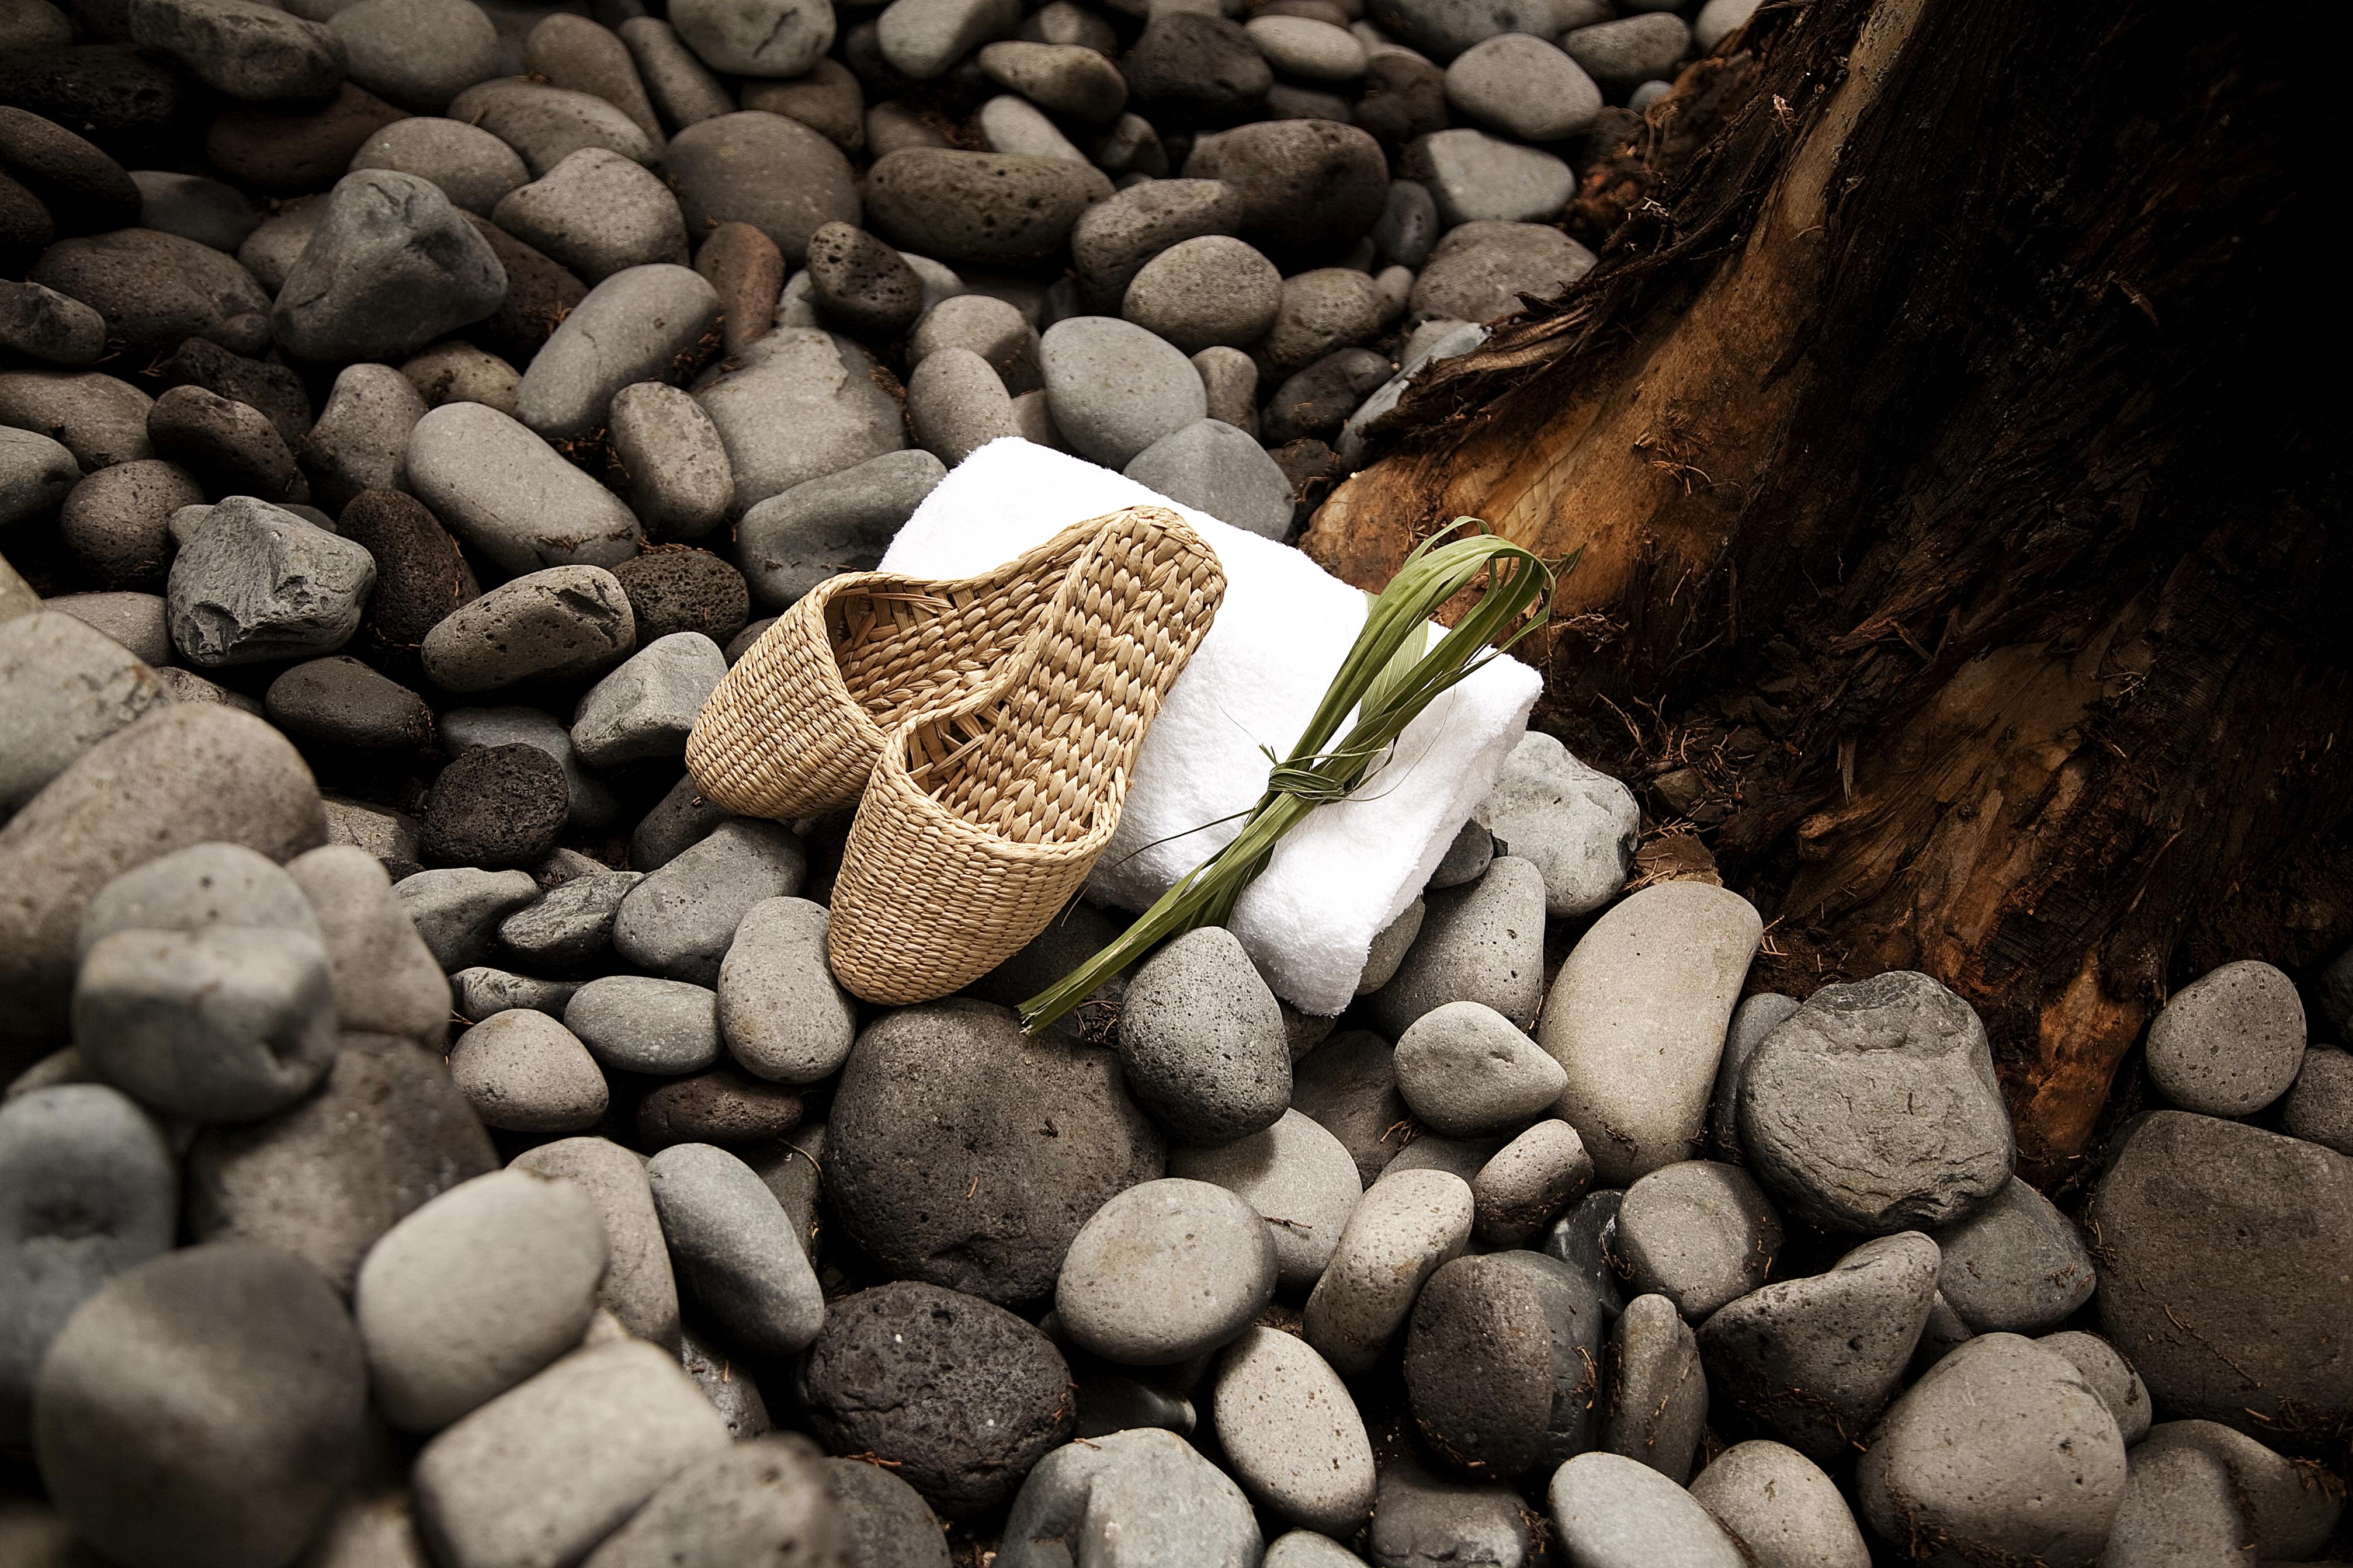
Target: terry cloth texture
{"x": 1347, "y": 869}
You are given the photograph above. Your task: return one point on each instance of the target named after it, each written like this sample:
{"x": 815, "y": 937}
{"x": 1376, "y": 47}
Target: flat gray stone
{"x": 1483, "y": 943}
{"x": 1115, "y": 389}
{"x": 1998, "y": 1424}
{"x": 418, "y": 54}
{"x": 956, "y": 404}
{"x": 547, "y": 124}
{"x": 2111, "y": 1377}
{"x": 1779, "y": 1505}
{"x": 1637, "y": 1017}
{"x": 1657, "y": 1401}
{"x": 482, "y": 992}
{"x": 764, "y": 39}
{"x": 637, "y": 1287}
{"x": 771, "y": 172}
{"x": 571, "y": 926}
{"x": 2288, "y": 1513}
{"x": 1202, "y": 1040}
{"x": 631, "y": 328}
{"x": 1164, "y": 1271}
{"x": 781, "y": 1014}
{"x": 472, "y": 167}
{"x": 1465, "y": 1071}
{"x": 561, "y": 621}
{"x": 2214, "y": 1233}
{"x": 242, "y": 48}
{"x": 2016, "y": 1266}
{"x": 1402, "y": 1230}
{"x": 1066, "y": 78}
{"x": 843, "y": 521}
{"x": 1473, "y": 177}
{"x": 1211, "y": 289}
{"x": 803, "y": 405}
{"x": 1112, "y": 240}
{"x": 511, "y": 496}
{"x": 1292, "y": 1433}
{"x": 64, "y": 687}
{"x": 1699, "y": 1234}
{"x": 457, "y": 910}
{"x": 2319, "y": 1107}
{"x": 1874, "y": 1108}
{"x": 144, "y": 1463}
{"x": 1516, "y": 1192}
{"x": 644, "y": 709}
{"x": 42, "y": 324}
{"x": 679, "y": 482}
{"x": 638, "y": 1023}
{"x": 140, "y": 622}
{"x": 922, "y": 39}
{"x": 474, "y": 1292}
{"x": 523, "y": 1072}
{"x": 1524, "y": 88}
{"x": 1302, "y": 1181}
{"x": 598, "y": 212}
{"x": 681, "y": 918}
{"x": 387, "y": 979}
{"x": 1757, "y": 1017}
{"x": 1843, "y": 1338}
{"x": 1623, "y": 53}
{"x": 1614, "y": 1512}
{"x": 735, "y": 1249}
{"x": 1421, "y": 1521}
{"x": 361, "y": 439}
{"x": 552, "y": 1466}
{"x": 987, "y": 208}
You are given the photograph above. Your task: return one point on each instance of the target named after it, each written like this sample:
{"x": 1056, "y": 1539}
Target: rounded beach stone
{"x": 2016, "y": 1265}
{"x": 965, "y": 1154}
{"x": 805, "y": 405}
{"x": 638, "y": 1023}
{"x": 2215, "y": 1233}
{"x": 735, "y": 1248}
{"x": 956, "y": 404}
{"x": 386, "y": 1133}
{"x": 1658, "y": 1395}
{"x": 1420, "y": 1519}
{"x": 2230, "y": 1042}
{"x": 418, "y": 54}
{"x": 1815, "y": 1359}
{"x": 1164, "y": 1271}
{"x": 2319, "y": 1108}
{"x": 1529, "y": 1181}
{"x": 343, "y": 702}
{"x": 680, "y": 920}
{"x": 1874, "y": 1108}
{"x": 524, "y": 1072}
{"x": 1401, "y": 1231}
{"x": 2289, "y": 1517}
{"x": 117, "y": 521}
{"x": 1523, "y": 87}
{"x": 571, "y": 927}
{"x": 475, "y": 1291}
{"x": 228, "y": 445}
{"x": 763, "y": 1500}
{"x": 1576, "y": 823}
{"x": 1465, "y": 1071}
{"x": 1474, "y": 178}
{"x": 1615, "y": 1512}
{"x": 472, "y": 167}
{"x": 1112, "y": 240}
{"x": 1146, "y": 1489}
{"x": 1213, "y": 290}
{"x": 781, "y": 1014}
{"x": 637, "y": 1287}
{"x": 959, "y": 1396}
{"x": 1311, "y": 188}
{"x": 679, "y": 481}
{"x": 1481, "y": 943}
{"x": 457, "y": 910}
{"x": 89, "y": 1188}
{"x": 511, "y": 496}
{"x": 552, "y": 1466}
{"x": 1622, "y": 54}
{"x": 2111, "y": 1377}
{"x": 1503, "y": 1363}
{"x": 547, "y": 124}
{"x": 1202, "y": 1040}
{"x": 862, "y": 282}
{"x": 361, "y": 439}
{"x": 983, "y": 207}
{"x": 495, "y": 806}
{"x": 722, "y": 1106}
{"x": 1637, "y": 1017}
{"x": 644, "y": 709}
{"x": 1214, "y": 467}
{"x": 1780, "y": 1506}
{"x": 563, "y": 621}
{"x": 1302, "y": 1181}
{"x": 1997, "y": 1425}
{"x": 1292, "y": 1433}
{"x": 597, "y": 212}
{"x": 764, "y": 170}
{"x": 1699, "y": 1234}
{"x": 215, "y": 1395}
{"x": 636, "y": 325}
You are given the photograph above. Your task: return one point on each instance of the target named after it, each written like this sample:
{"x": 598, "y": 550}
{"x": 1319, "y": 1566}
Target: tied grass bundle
{"x": 1390, "y": 677}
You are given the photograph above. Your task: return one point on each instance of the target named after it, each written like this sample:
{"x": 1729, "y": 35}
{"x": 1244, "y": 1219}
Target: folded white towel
{"x": 1348, "y": 869}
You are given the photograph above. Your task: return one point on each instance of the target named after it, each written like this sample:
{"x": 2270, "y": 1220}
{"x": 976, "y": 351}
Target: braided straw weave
{"x": 793, "y": 728}
{"x": 983, "y": 818}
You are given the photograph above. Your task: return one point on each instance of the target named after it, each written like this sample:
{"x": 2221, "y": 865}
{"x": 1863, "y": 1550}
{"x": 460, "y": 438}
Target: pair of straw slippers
{"x": 985, "y": 728}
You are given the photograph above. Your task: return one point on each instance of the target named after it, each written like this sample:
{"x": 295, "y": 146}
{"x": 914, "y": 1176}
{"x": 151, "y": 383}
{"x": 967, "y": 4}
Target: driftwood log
{"x": 1957, "y": 459}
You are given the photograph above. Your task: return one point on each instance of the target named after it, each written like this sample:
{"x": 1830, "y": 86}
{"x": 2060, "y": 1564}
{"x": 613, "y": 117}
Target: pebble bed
{"x": 432, "y": 1135}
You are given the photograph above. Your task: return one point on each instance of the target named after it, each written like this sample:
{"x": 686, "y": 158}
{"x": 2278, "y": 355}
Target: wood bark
{"x": 1962, "y": 553}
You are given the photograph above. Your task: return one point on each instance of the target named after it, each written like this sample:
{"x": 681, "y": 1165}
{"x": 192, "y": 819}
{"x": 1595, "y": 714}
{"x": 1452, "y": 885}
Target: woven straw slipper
{"x": 984, "y": 818}
{"x": 793, "y": 728}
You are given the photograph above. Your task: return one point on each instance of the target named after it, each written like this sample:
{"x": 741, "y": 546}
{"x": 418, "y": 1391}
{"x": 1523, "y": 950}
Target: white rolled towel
{"x": 1348, "y": 869}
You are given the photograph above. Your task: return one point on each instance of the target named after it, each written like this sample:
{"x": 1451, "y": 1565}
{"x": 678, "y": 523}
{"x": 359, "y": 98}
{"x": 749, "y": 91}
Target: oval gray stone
{"x": 631, "y": 327}
{"x": 524, "y": 1072}
{"x": 2230, "y": 1042}
{"x": 736, "y": 1249}
{"x": 1164, "y": 1271}
{"x": 563, "y": 621}
{"x": 507, "y": 493}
